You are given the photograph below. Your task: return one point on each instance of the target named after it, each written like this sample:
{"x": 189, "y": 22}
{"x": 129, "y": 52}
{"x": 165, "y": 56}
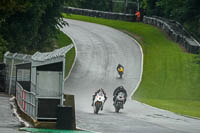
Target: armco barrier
{"x": 176, "y": 31}
{"x": 101, "y": 14}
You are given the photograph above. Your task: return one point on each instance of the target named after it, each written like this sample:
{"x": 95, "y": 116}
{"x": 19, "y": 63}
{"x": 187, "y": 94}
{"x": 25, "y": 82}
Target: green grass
{"x": 69, "y": 60}
{"x": 170, "y": 75}
{"x": 64, "y": 40}
{"x": 183, "y": 107}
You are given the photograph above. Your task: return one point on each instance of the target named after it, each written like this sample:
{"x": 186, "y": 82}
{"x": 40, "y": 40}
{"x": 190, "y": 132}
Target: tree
{"x": 102, "y": 5}
{"x": 3, "y": 49}
{"x": 30, "y": 25}
{"x": 185, "y": 11}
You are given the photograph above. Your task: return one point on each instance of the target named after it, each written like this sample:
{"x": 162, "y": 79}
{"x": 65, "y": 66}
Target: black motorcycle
{"x": 119, "y": 101}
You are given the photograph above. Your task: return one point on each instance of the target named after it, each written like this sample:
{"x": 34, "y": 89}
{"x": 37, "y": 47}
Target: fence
{"x": 101, "y": 14}
{"x": 37, "y": 107}
{"x": 176, "y": 31}
{"x": 10, "y": 59}
{"x": 26, "y": 101}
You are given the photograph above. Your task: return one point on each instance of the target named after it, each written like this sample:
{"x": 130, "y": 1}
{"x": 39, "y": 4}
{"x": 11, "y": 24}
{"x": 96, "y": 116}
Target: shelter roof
{"x": 18, "y": 56}
{"x": 38, "y": 56}
{"x": 50, "y": 57}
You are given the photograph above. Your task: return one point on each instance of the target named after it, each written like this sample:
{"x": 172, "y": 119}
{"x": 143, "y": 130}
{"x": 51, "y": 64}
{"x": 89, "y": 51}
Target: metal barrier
{"x": 10, "y": 59}
{"x": 26, "y": 100}
{"x": 101, "y": 14}
{"x": 36, "y": 107}
{"x": 176, "y": 31}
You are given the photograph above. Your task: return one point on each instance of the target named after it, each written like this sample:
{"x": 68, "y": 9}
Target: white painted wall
{"x": 49, "y": 83}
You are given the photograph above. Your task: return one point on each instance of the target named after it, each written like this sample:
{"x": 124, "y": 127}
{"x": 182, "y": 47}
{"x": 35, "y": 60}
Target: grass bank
{"x": 64, "y": 40}
{"x": 170, "y": 76}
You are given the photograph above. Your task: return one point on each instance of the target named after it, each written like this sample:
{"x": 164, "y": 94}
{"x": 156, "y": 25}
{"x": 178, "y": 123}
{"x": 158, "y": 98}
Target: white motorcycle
{"x": 98, "y": 102}
{"x": 119, "y": 101}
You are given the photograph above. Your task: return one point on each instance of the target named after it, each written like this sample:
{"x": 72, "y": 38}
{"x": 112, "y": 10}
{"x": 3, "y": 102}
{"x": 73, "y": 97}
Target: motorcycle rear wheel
{"x": 120, "y": 74}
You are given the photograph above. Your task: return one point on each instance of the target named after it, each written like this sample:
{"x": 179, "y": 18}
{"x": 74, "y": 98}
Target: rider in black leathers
{"x": 117, "y": 90}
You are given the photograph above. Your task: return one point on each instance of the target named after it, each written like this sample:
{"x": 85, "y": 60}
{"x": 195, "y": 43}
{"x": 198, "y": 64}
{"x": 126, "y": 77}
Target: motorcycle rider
{"x": 120, "y": 68}
{"x": 117, "y": 90}
{"x": 93, "y": 98}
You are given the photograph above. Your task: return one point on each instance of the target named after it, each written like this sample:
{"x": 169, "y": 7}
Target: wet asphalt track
{"x": 8, "y": 122}
{"x": 99, "y": 50}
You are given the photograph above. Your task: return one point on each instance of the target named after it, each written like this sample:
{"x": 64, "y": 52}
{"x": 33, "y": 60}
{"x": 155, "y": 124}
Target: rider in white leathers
{"x": 93, "y": 98}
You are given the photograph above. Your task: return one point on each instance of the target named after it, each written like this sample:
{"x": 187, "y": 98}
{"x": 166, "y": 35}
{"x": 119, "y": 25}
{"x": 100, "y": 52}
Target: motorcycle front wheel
{"x": 97, "y": 108}
{"x": 117, "y": 109}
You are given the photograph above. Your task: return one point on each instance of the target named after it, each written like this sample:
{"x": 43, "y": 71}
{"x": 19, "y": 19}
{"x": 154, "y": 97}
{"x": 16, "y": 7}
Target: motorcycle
{"x": 120, "y": 74}
{"x": 98, "y": 102}
{"x": 119, "y": 101}
{"x": 120, "y": 71}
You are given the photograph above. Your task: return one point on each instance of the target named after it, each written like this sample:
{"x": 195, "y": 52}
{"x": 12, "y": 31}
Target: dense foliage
{"x": 104, "y": 5}
{"x": 185, "y": 11}
{"x": 29, "y": 25}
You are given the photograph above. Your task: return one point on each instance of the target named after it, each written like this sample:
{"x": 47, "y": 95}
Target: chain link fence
{"x": 11, "y": 59}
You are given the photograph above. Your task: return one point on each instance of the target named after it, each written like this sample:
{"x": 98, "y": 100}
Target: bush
{"x": 3, "y": 49}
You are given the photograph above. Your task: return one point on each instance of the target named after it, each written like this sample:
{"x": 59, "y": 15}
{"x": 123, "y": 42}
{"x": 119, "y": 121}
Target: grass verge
{"x": 170, "y": 76}
{"x": 64, "y": 40}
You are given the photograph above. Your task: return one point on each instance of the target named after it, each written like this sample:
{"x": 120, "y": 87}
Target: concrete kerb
{"x": 142, "y": 59}
{"x": 74, "y": 57}
{"x": 186, "y": 116}
{"x": 87, "y": 130}
{"x": 28, "y": 121}
{"x": 15, "y": 112}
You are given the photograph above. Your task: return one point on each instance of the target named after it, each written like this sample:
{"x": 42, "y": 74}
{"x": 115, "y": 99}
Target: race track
{"x": 99, "y": 50}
